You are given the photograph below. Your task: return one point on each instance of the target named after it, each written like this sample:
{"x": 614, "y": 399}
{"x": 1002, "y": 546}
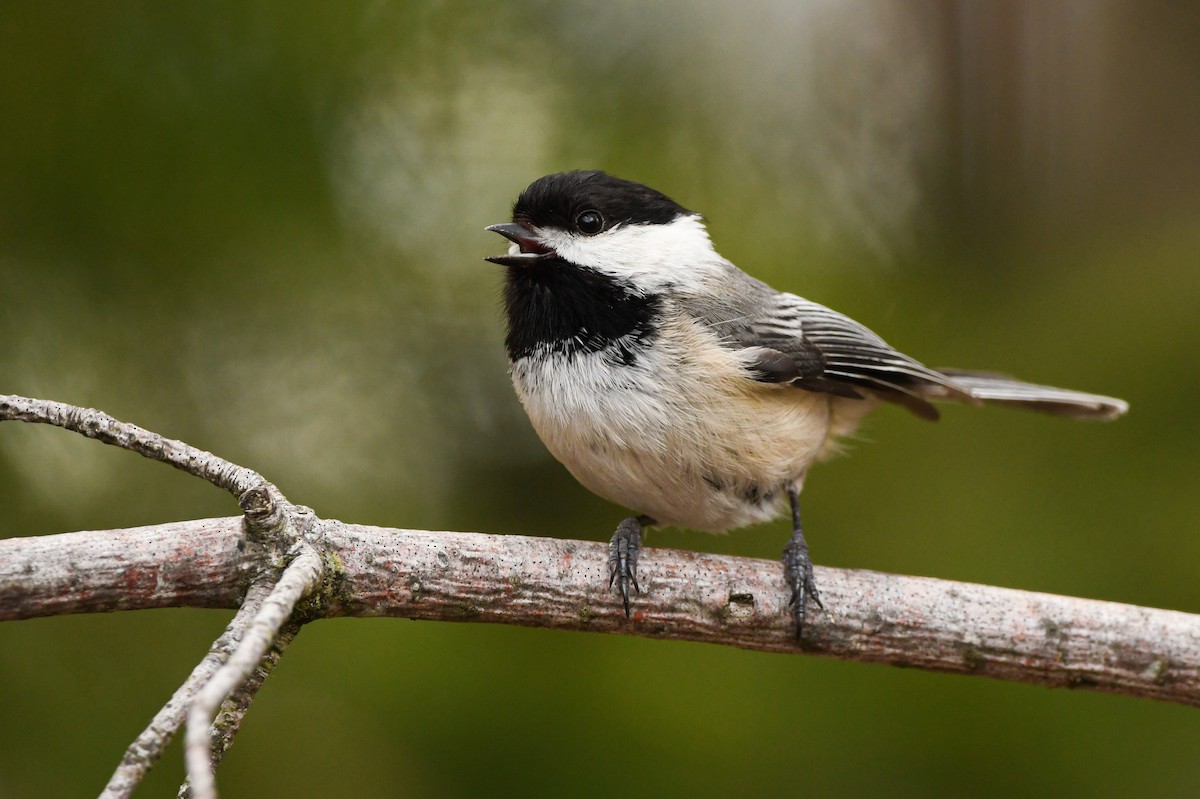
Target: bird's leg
{"x": 798, "y": 568}
{"x": 623, "y": 555}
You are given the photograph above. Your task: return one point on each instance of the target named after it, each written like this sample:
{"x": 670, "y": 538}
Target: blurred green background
{"x": 258, "y": 227}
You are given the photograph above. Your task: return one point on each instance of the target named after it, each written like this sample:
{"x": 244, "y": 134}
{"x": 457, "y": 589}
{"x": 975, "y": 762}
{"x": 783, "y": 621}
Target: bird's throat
{"x": 558, "y": 307}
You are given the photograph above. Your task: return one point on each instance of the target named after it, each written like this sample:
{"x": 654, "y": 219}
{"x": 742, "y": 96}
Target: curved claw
{"x": 798, "y": 571}
{"x": 798, "y": 568}
{"x": 623, "y": 557}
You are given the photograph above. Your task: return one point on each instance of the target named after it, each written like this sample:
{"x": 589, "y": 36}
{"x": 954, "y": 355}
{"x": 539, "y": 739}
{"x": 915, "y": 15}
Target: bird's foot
{"x": 798, "y": 571}
{"x": 623, "y": 556}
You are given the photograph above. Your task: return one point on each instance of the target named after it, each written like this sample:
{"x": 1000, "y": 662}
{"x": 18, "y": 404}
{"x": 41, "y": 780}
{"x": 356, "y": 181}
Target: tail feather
{"x": 999, "y": 389}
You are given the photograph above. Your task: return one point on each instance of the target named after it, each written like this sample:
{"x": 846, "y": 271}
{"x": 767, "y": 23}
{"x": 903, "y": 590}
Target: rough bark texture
{"x": 97, "y": 424}
{"x": 148, "y": 747}
{"x": 910, "y": 621}
{"x": 204, "y": 745}
{"x": 197, "y": 564}
{"x": 229, "y": 719}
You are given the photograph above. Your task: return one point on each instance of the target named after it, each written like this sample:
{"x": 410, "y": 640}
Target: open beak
{"x": 529, "y": 249}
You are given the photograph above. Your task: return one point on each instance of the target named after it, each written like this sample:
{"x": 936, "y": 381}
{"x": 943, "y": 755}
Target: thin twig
{"x": 148, "y": 747}
{"x": 266, "y": 510}
{"x": 270, "y": 524}
{"x": 92, "y": 423}
{"x": 228, "y": 722}
{"x": 298, "y": 579}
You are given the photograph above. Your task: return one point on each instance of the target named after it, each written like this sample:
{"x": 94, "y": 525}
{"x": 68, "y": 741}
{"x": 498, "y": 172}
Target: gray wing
{"x": 812, "y": 347}
{"x": 815, "y": 348}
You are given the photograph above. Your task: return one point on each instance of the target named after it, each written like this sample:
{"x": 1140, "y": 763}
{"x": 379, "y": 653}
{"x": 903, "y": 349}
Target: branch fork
{"x": 279, "y": 565}
{"x": 223, "y": 679}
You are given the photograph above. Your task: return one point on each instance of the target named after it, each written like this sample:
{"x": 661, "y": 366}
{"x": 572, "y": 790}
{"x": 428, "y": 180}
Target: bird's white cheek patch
{"x": 649, "y": 257}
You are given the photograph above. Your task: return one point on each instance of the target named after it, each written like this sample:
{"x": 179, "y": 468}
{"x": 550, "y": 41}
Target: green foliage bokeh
{"x": 259, "y": 228}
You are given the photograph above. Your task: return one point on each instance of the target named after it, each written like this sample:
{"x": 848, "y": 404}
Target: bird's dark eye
{"x": 589, "y": 222}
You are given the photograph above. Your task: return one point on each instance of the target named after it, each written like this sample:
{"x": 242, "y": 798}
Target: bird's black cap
{"x": 557, "y": 200}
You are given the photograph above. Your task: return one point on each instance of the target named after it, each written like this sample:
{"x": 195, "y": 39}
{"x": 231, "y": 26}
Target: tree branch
{"x": 229, "y": 718}
{"x": 270, "y": 527}
{"x": 298, "y": 580}
{"x": 283, "y": 566}
{"x": 266, "y": 510}
{"x": 148, "y": 747}
{"x": 920, "y": 622}
{"x": 92, "y": 423}
{"x": 203, "y": 565}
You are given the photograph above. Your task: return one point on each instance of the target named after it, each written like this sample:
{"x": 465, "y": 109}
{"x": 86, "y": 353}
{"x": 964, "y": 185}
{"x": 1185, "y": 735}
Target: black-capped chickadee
{"x": 670, "y": 382}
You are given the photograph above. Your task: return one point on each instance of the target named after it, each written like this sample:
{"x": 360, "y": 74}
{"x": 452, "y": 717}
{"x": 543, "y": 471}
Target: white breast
{"x": 681, "y": 434}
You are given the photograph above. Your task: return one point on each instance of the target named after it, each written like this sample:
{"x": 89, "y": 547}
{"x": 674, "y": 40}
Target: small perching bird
{"x": 670, "y": 382}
